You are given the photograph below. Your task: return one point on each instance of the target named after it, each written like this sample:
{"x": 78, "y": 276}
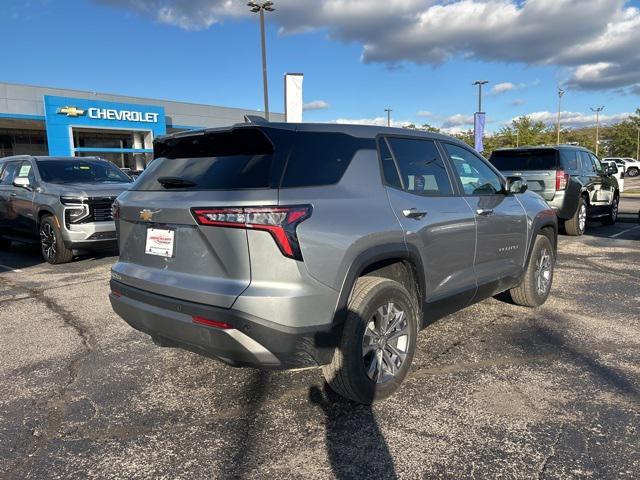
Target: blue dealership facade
{"x": 63, "y": 122}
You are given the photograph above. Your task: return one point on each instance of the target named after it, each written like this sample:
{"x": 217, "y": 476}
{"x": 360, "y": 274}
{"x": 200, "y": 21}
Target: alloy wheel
{"x": 582, "y": 217}
{"x": 543, "y": 272}
{"x": 614, "y": 209}
{"x": 385, "y": 343}
{"x": 48, "y": 241}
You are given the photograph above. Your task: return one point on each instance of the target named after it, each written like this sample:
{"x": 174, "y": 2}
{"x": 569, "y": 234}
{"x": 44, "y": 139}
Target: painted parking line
{"x": 624, "y": 231}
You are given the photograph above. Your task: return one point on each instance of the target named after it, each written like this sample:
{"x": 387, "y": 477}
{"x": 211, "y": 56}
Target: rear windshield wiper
{"x": 175, "y": 182}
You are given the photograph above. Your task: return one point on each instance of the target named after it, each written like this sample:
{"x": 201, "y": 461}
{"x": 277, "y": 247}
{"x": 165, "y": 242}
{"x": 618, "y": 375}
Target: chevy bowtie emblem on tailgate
{"x": 146, "y": 214}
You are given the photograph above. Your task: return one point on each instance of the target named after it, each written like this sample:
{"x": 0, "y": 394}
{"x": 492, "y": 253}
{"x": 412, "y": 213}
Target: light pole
{"x": 480, "y": 83}
{"x": 261, "y": 8}
{"x": 478, "y": 119}
{"x": 597, "y": 110}
{"x": 388, "y": 110}
{"x": 517, "y": 139}
{"x": 560, "y": 94}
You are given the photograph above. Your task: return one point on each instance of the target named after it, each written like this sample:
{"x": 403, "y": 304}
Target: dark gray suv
{"x": 65, "y": 203}
{"x": 292, "y": 245}
{"x": 570, "y": 178}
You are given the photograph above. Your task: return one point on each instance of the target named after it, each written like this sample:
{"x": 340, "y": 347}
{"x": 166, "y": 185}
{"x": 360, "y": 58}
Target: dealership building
{"x": 62, "y": 122}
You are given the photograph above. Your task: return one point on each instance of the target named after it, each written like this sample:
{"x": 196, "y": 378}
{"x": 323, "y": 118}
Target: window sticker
{"x": 24, "y": 171}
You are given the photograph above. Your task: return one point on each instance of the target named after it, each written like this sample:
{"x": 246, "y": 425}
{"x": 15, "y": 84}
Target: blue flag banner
{"x": 478, "y": 130}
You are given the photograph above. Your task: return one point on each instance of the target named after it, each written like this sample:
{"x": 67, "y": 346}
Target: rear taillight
{"x": 280, "y": 222}
{"x": 562, "y": 180}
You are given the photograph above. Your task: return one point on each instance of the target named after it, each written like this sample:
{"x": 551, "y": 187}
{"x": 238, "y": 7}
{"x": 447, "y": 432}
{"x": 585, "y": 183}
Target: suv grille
{"x": 101, "y": 209}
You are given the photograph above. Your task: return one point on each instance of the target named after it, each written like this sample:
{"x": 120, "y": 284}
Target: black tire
{"x": 633, "y": 172}
{"x": 612, "y": 216}
{"x": 51, "y": 243}
{"x": 5, "y": 243}
{"x": 347, "y": 374}
{"x": 529, "y": 293}
{"x": 575, "y": 226}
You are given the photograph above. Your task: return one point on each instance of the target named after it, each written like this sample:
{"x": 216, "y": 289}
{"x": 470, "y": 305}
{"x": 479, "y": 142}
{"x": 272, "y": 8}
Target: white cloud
{"x": 503, "y": 87}
{"x": 424, "y": 113}
{"x": 575, "y": 119}
{"x": 457, "y": 120}
{"x": 315, "y": 105}
{"x": 378, "y": 121}
{"x": 597, "y": 40}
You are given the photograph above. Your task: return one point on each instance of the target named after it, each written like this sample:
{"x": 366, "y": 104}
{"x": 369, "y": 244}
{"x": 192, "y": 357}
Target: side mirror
{"x": 22, "y": 182}
{"x": 516, "y": 185}
{"x": 611, "y": 170}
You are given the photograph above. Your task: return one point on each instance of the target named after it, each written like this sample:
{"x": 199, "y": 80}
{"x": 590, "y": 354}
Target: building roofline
{"x": 133, "y": 97}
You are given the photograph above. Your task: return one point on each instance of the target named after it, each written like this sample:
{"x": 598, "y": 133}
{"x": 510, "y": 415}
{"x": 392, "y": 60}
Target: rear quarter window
{"x": 321, "y": 158}
{"x": 569, "y": 159}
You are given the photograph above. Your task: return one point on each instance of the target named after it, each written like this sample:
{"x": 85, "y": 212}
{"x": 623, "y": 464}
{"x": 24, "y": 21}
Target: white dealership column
{"x": 293, "y": 97}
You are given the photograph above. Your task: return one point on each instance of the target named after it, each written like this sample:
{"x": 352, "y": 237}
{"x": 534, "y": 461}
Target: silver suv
{"x": 64, "y": 202}
{"x": 292, "y": 245}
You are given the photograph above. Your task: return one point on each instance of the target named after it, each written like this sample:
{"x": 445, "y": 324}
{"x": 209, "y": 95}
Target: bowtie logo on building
{"x": 71, "y": 111}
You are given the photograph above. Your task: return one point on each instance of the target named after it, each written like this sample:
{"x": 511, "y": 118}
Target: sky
{"x": 417, "y": 57}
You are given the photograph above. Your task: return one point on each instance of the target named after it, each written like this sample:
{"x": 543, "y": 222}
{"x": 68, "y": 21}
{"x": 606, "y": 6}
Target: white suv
{"x": 630, "y": 166}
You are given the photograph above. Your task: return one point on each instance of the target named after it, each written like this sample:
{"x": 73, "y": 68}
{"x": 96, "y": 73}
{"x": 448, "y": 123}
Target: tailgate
{"x": 543, "y": 182}
{"x": 207, "y": 265}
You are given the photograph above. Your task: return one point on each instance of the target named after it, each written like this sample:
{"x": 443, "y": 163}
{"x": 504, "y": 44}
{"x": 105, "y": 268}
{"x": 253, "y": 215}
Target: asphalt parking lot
{"x": 495, "y": 390}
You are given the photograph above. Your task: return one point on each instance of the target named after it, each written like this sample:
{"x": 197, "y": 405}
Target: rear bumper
{"x": 252, "y": 342}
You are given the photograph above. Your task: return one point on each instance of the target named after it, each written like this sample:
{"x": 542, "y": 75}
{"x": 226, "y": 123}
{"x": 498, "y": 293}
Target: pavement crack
{"x": 56, "y": 405}
{"x": 552, "y": 453}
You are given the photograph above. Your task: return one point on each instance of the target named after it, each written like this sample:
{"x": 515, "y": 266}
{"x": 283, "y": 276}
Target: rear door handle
{"x": 414, "y": 213}
{"x": 14, "y": 194}
{"x": 485, "y": 212}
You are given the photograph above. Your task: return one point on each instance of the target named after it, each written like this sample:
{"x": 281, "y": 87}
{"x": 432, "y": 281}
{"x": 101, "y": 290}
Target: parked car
{"x": 616, "y": 171}
{"x": 289, "y": 245}
{"x": 63, "y": 202}
{"x": 630, "y": 166}
{"x": 569, "y": 178}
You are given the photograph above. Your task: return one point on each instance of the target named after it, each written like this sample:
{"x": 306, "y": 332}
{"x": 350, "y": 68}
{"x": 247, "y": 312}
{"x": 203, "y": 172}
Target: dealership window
{"x": 22, "y": 142}
{"x": 94, "y": 142}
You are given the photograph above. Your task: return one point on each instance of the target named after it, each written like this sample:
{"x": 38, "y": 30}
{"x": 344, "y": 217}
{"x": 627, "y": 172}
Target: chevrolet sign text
{"x": 122, "y": 115}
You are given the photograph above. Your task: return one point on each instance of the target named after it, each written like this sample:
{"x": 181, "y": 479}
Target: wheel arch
{"x": 396, "y": 262}
{"x": 543, "y": 224}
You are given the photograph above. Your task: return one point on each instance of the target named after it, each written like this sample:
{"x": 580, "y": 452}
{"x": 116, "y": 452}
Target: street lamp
{"x": 478, "y": 118}
{"x": 597, "y": 110}
{"x": 480, "y": 83}
{"x": 560, "y": 94}
{"x": 261, "y": 8}
{"x": 388, "y": 110}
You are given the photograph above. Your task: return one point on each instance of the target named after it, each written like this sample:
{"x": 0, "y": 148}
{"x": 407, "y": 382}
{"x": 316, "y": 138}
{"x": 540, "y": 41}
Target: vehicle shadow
{"x": 24, "y": 255}
{"x": 356, "y": 447}
{"x": 237, "y": 461}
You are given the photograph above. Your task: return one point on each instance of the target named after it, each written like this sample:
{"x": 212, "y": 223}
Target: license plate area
{"x": 160, "y": 242}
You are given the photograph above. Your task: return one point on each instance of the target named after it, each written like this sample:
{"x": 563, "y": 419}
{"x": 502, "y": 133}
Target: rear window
{"x": 510, "y": 160}
{"x": 250, "y": 158}
{"x": 236, "y": 159}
